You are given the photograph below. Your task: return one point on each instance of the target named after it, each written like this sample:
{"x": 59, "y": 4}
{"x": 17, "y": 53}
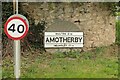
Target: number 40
{"x": 12, "y": 28}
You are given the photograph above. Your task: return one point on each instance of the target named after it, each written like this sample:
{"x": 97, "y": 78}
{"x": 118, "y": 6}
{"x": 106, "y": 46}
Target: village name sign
{"x": 63, "y": 39}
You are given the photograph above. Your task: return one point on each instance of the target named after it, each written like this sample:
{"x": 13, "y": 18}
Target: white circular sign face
{"x": 16, "y": 28}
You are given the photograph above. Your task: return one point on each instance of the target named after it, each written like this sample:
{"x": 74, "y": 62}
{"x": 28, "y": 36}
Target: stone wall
{"x": 93, "y": 19}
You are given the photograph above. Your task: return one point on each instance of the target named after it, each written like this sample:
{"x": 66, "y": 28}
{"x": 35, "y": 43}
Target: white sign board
{"x": 63, "y": 39}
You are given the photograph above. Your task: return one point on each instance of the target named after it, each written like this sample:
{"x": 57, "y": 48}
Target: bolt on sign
{"x": 63, "y": 39}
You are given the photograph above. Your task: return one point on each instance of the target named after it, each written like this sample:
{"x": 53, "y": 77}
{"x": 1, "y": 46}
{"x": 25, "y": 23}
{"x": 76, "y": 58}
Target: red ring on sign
{"x": 9, "y": 36}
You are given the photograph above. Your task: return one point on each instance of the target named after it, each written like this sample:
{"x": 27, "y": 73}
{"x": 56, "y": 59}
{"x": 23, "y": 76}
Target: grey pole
{"x": 17, "y": 52}
{"x": 17, "y": 58}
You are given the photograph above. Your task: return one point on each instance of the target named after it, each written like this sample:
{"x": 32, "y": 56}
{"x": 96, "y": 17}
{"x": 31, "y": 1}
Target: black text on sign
{"x": 63, "y": 39}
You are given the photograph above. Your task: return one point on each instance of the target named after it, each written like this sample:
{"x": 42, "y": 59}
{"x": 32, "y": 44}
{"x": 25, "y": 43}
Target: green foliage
{"x": 111, "y": 6}
{"x": 50, "y": 66}
{"x": 78, "y": 54}
{"x": 7, "y": 11}
{"x": 70, "y": 54}
{"x": 117, "y": 13}
{"x": 118, "y": 32}
{"x": 35, "y": 35}
{"x": 99, "y": 50}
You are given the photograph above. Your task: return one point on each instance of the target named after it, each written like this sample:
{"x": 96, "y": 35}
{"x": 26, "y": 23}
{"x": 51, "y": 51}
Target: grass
{"x": 0, "y": 72}
{"x": 98, "y": 63}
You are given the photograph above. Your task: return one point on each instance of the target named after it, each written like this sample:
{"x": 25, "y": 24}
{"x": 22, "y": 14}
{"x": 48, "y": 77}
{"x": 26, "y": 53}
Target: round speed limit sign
{"x": 16, "y": 27}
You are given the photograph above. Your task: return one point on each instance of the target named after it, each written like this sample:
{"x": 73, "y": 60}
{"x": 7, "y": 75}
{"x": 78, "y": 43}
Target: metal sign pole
{"x": 16, "y": 51}
{"x": 17, "y": 58}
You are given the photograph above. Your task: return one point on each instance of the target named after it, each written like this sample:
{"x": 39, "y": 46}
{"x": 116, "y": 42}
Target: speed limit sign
{"x": 16, "y": 27}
